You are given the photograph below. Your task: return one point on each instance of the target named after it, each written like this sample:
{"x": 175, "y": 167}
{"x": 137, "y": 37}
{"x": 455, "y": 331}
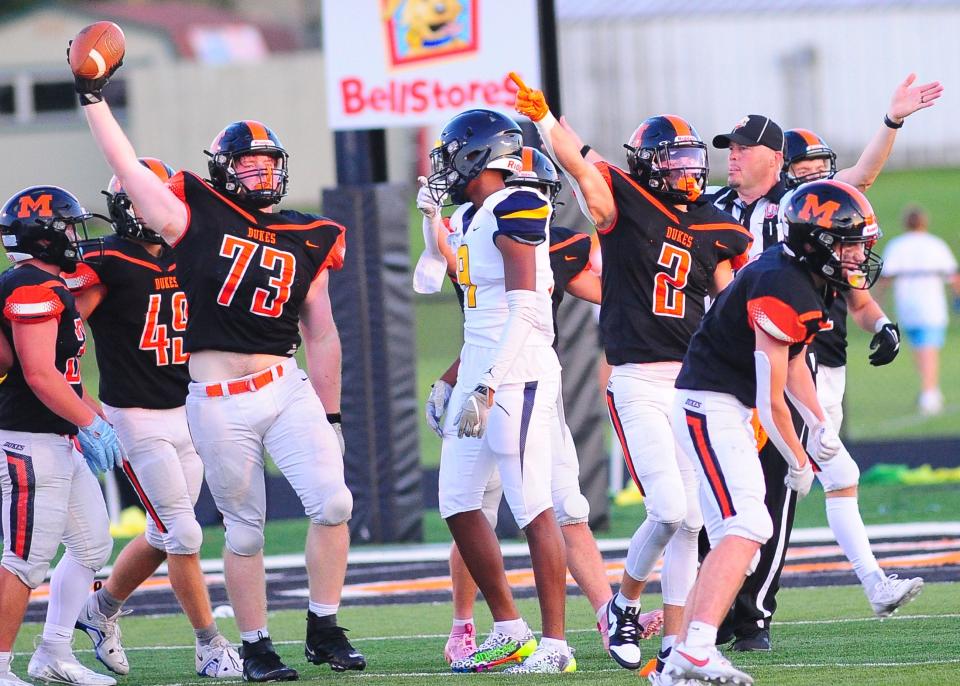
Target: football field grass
{"x": 824, "y": 635}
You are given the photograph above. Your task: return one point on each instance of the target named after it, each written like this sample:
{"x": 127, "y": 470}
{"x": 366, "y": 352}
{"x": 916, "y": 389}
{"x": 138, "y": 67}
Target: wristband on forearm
{"x": 334, "y": 418}
{"x": 890, "y": 124}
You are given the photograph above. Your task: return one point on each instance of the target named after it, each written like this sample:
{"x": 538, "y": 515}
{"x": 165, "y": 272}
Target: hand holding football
{"x": 97, "y": 50}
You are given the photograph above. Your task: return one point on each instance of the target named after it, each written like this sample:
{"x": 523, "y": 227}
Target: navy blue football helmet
{"x": 471, "y": 142}
{"x": 44, "y": 223}
{"x": 803, "y": 144}
{"x": 537, "y": 171}
{"x": 248, "y": 137}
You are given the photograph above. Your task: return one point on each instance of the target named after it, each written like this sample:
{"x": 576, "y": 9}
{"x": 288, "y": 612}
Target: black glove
{"x": 90, "y": 91}
{"x": 885, "y": 345}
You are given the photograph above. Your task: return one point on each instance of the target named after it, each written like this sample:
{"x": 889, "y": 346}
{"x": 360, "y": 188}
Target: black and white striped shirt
{"x": 761, "y": 217}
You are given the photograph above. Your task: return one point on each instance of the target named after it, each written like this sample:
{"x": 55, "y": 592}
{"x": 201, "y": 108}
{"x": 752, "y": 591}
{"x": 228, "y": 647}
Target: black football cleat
{"x": 327, "y": 642}
{"x": 755, "y": 643}
{"x": 261, "y": 663}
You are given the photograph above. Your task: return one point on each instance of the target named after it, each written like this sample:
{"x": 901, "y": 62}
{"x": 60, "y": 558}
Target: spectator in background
{"x": 919, "y": 263}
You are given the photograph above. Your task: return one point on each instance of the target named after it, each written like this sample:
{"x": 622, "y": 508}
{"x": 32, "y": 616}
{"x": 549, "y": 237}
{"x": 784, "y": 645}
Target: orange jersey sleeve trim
{"x": 337, "y": 254}
{"x": 573, "y": 239}
{"x": 648, "y": 196}
{"x": 34, "y": 304}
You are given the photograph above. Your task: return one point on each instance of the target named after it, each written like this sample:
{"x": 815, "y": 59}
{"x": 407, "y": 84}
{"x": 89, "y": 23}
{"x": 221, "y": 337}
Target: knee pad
{"x": 754, "y": 525}
{"x": 647, "y": 546}
{"x": 96, "y": 552}
{"x": 669, "y": 506}
{"x": 184, "y": 536}
{"x": 572, "y": 508}
{"x": 334, "y": 509}
{"x": 841, "y": 472}
{"x": 244, "y": 540}
{"x": 31, "y": 574}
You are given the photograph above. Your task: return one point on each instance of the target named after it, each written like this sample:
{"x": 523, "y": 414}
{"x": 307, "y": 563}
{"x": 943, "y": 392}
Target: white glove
{"x": 800, "y": 479}
{"x": 823, "y": 443}
{"x": 472, "y": 420}
{"x": 437, "y": 404}
{"x": 425, "y": 202}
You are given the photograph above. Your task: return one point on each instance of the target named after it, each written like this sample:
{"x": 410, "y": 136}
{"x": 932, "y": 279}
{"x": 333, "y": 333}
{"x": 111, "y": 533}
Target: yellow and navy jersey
{"x": 138, "y": 326}
{"x": 30, "y": 295}
{"x": 658, "y": 264}
{"x": 246, "y": 272}
{"x": 772, "y": 292}
{"x": 522, "y": 215}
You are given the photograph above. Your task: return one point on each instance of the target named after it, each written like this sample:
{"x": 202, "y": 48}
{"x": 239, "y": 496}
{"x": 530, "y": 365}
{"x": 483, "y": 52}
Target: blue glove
{"x": 100, "y": 445}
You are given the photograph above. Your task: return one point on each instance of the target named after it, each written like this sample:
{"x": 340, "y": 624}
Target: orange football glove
{"x": 530, "y": 103}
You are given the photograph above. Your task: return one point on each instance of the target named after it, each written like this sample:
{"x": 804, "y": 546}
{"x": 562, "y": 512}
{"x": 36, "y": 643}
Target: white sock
{"x": 623, "y": 602}
{"x": 69, "y": 590}
{"x": 667, "y": 643}
{"x": 601, "y": 612}
{"x": 321, "y": 610}
{"x": 554, "y": 644}
{"x": 514, "y": 628}
{"x": 701, "y": 635}
{"x": 255, "y": 635}
{"x": 646, "y": 547}
{"x": 843, "y": 514}
{"x": 5, "y": 659}
{"x": 53, "y": 633}
{"x": 460, "y": 624}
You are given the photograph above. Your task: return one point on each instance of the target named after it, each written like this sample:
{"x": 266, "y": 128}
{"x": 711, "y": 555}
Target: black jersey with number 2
{"x": 246, "y": 273}
{"x": 29, "y": 295}
{"x": 138, "y": 326}
{"x": 658, "y": 264}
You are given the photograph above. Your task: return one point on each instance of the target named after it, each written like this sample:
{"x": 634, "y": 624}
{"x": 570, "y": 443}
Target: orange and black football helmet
{"x": 123, "y": 218}
{"x": 45, "y": 223}
{"x": 822, "y": 216}
{"x": 803, "y": 144}
{"x": 248, "y": 137}
{"x": 667, "y": 155}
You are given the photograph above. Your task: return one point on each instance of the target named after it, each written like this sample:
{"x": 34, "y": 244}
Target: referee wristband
{"x": 585, "y": 150}
{"x": 890, "y": 124}
{"x": 334, "y": 417}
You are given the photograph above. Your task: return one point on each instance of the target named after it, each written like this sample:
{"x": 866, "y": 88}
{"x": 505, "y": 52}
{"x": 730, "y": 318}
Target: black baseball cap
{"x": 754, "y": 129}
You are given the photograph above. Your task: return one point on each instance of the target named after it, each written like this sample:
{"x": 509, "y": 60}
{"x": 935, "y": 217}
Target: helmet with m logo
{"x": 822, "y": 219}
{"x": 44, "y": 223}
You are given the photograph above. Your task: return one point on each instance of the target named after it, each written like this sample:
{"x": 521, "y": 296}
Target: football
{"x": 96, "y": 50}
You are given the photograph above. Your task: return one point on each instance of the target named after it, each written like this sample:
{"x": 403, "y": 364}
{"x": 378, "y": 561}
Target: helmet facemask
{"x": 55, "y": 241}
{"x": 844, "y": 270}
{"x": 126, "y": 222}
{"x": 792, "y": 181}
{"x": 676, "y": 171}
{"x": 270, "y": 183}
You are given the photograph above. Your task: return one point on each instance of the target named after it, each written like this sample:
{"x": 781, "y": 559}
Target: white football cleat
{"x": 64, "y": 670}
{"x": 105, "y": 633}
{"x": 703, "y": 664}
{"x": 893, "y": 593}
{"x": 545, "y": 661}
{"x": 218, "y": 659}
{"x": 8, "y": 678}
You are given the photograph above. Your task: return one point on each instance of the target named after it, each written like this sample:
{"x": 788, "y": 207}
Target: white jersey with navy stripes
{"x": 480, "y": 263}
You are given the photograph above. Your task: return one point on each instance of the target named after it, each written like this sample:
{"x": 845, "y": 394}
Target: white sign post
{"x": 414, "y": 63}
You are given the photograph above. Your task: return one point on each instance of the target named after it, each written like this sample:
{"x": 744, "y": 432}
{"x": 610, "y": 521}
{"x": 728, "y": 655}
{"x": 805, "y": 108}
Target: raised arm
{"x": 562, "y": 144}
{"x": 906, "y": 100}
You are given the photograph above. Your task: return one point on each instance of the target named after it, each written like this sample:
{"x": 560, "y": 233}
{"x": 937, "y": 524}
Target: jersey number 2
{"x": 266, "y": 303}
{"x": 154, "y": 336}
{"x": 669, "y": 300}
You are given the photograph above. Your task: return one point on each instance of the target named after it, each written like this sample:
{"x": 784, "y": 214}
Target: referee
{"x": 752, "y": 195}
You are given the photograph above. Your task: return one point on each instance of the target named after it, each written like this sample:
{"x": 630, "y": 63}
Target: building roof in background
{"x": 614, "y": 9}
{"x": 198, "y": 31}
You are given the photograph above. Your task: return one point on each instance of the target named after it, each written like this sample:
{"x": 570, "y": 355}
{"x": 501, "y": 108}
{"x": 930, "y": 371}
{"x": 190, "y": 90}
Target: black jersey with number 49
{"x": 772, "y": 292}
{"x": 658, "y": 263}
{"x": 138, "y": 326}
{"x": 246, "y": 273}
{"x": 29, "y": 295}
